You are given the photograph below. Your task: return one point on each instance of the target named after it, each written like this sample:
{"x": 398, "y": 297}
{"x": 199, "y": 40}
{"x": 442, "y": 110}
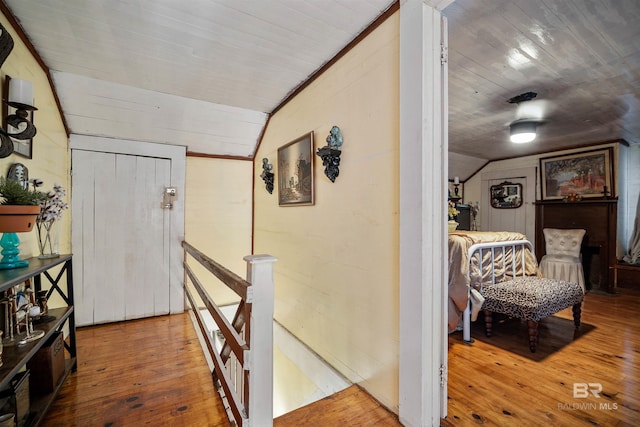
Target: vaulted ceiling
{"x": 206, "y": 73}
{"x": 200, "y": 73}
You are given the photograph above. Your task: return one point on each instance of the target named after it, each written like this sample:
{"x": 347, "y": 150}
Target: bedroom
{"x": 564, "y": 69}
{"x": 520, "y": 386}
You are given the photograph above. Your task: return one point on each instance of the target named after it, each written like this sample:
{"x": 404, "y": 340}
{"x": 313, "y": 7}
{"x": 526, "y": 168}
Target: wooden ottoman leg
{"x": 533, "y": 335}
{"x": 577, "y": 311}
{"x": 488, "y": 322}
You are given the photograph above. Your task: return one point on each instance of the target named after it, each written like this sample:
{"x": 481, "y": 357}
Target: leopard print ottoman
{"x": 532, "y": 299}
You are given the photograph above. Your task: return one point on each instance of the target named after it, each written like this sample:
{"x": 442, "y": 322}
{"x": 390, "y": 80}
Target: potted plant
{"x": 19, "y": 207}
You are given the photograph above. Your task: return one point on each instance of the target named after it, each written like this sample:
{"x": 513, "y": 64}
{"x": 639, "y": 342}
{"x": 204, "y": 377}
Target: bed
{"x": 500, "y": 272}
{"x": 460, "y": 278}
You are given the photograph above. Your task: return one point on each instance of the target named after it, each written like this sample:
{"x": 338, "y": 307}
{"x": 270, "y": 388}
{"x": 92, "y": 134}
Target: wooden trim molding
{"x": 20, "y": 32}
{"x": 568, "y": 148}
{"x": 375, "y": 24}
{"x": 261, "y": 136}
{"x": 18, "y": 29}
{"x": 218, "y": 156}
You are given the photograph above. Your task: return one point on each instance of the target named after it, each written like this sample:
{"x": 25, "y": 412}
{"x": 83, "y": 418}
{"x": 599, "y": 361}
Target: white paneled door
{"x": 120, "y": 236}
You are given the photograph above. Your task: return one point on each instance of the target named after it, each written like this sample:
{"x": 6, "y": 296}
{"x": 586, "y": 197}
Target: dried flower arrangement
{"x": 452, "y": 211}
{"x": 51, "y": 204}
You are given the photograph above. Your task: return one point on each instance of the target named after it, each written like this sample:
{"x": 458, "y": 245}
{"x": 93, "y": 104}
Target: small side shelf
{"x": 626, "y": 275}
{"x": 40, "y": 404}
{"x": 15, "y": 356}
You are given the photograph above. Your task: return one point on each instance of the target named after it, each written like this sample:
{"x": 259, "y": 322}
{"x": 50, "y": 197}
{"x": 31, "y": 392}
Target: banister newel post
{"x": 260, "y": 275}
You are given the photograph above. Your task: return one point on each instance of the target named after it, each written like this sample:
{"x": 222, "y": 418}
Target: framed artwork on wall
{"x": 506, "y": 195}
{"x": 295, "y": 172}
{"x": 587, "y": 174}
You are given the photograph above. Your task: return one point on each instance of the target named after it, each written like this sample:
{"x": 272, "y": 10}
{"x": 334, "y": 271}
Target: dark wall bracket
{"x": 267, "y": 175}
{"x": 330, "y": 154}
{"x": 331, "y": 162}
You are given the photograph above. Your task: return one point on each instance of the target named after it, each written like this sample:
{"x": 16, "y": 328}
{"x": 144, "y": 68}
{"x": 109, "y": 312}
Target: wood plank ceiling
{"x": 207, "y": 73}
{"x": 582, "y": 58}
{"x": 201, "y": 73}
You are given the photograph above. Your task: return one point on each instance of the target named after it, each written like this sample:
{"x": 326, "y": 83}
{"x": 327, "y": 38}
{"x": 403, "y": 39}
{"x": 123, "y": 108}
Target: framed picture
{"x": 295, "y": 172}
{"x": 507, "y": 195}
{"x": 584, "y": 174}
{"x": 22, "y": 147}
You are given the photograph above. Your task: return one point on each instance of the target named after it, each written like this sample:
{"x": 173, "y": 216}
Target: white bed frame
{"x": 493, "y": 247}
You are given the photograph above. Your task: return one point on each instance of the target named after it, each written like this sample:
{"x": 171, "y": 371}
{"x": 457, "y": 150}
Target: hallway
{"x": 153, "y": 372}
{"x": 141, "y": 372}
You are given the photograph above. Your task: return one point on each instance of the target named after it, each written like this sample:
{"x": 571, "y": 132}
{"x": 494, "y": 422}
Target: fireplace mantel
{"x": 599, "y": 218}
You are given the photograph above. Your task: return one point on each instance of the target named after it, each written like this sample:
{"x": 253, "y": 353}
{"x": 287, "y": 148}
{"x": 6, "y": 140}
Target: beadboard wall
{"x": 627, "y": 184}
{"x": 337, "y": 278}
{"x": 50, "y": 161}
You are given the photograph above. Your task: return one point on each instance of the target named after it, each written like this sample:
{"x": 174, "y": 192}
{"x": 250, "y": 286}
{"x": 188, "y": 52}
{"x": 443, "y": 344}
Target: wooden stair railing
{"x": 243, "y": 368}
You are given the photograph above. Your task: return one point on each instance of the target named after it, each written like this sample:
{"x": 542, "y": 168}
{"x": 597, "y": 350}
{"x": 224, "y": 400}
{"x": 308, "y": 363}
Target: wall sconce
{"x": 6, "y": 44}
{"x": 330, "y": 154}
{"x": 19, "y": 129}
{"x": 20, "y": 97}
{"x": 523, "y": 131}
{"x": 6, "y": 144}
{"x": 267, "y": 175}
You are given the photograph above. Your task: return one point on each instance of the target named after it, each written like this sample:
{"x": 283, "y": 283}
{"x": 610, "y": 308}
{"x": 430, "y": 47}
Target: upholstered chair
{"x": 563, "y": 260}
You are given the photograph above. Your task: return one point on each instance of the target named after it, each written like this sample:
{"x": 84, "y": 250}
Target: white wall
{"x": 626, "y": 183}
{"x": 51, "y": 159}
{"x": 337, "y": 278}
{"x": 218, "y": 217}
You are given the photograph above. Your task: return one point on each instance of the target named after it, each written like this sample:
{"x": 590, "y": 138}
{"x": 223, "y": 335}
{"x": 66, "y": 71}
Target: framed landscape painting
{"x": 295, "y": 172}
{"x": 584, "y": 174}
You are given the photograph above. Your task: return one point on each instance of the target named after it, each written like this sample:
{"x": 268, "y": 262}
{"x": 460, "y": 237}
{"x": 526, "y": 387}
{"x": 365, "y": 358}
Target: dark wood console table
{"x": 599, "y": 218}
{"x": 15, "y": 356}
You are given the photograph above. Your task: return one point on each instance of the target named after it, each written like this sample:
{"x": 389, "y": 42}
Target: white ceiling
{"x": 145, "y": 69}
{"x": 206, "y": 73}
{"x": 582, "y": 58}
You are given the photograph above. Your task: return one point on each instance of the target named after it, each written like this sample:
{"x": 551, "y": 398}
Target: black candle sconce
{"x": 267, "y": 175}
{"x": 330, "y": 154}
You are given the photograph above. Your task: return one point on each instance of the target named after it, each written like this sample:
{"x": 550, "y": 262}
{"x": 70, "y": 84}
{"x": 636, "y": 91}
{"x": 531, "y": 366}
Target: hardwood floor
{"x": 142, "y": 372}
{"x": 497, "y": 382}
{"x": 153, "y": 372}
{"x": 352, "y": 407}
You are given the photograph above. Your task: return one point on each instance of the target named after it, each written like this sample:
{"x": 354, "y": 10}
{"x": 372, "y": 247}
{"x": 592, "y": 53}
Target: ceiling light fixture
{"x": 523, "y": 131}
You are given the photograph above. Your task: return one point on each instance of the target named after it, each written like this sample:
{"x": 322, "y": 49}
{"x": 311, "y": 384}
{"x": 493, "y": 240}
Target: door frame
{"x": 422, "y": 399}
{"x": 177, "y": 156}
